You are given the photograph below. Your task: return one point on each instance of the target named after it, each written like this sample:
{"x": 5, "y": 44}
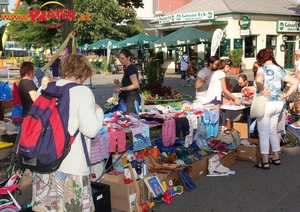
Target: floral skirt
{"x": 61, "y": 192}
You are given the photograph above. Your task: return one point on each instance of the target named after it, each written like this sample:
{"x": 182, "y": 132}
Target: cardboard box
{"x": 120, "y": 195}
{"x": 101, "y": 197}
{"x": 173, "y": 175}
{"x": 249, "y": 153}
{"x": 199, "y": 168}
{"x": 114, "y": 176}
{"x": 123, "y": 195}
{"x": 242, "y": 128}
{"x": 229, "y": 159}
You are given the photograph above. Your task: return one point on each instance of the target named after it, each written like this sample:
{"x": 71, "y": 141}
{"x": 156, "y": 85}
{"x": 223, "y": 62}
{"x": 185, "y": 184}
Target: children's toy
{"x": 167, "y": 198}
{"x": 170, "y": 188}
{"x": 147, "y": 206}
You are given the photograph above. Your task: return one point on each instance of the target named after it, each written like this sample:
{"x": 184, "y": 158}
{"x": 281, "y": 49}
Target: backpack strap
{"x": 87, "y": 158}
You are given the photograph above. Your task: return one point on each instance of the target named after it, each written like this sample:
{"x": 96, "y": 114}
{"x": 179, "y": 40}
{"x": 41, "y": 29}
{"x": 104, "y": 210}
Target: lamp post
{"x": 284, "y": 38}
{"x": 283, "y": 46}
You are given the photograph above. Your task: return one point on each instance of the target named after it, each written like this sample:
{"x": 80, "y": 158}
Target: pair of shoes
{"x": 271, "y": 161}
{"x": 262, "y": 165}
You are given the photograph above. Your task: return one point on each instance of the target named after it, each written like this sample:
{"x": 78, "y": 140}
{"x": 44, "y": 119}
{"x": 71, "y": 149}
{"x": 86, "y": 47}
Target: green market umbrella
{"x": 101, "y": 44}
{"x": 135, "y": 42}
{"x": 183, "y": 36}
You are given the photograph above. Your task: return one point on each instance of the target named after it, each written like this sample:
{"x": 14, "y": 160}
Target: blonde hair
{"x": 46, "y": 79}
{"x": 75, "y": 65}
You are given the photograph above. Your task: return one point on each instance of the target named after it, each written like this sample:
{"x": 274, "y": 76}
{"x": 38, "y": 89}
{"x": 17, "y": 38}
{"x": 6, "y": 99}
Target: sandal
{"x": 271, "y": 161}
{"x": 262, "y": 165}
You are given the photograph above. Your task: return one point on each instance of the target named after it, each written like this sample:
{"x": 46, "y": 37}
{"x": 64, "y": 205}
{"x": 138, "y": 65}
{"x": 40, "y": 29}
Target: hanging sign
{"x": 245, "y": 22}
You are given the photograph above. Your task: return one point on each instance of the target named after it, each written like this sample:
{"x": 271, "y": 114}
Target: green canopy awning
{"x": 135, "y": 42}
{"x": 183, "y": 36}
{"x": 101, "y": 44}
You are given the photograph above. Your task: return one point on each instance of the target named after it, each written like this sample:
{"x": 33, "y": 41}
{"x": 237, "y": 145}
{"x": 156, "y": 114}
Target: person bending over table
{"x": 268, "y": 81}
{"x": 242, "y": 83}
{"x": 217, "y": 85}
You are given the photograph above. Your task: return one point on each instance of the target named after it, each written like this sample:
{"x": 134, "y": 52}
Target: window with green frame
{"x": 250, "y": 46}
{"x": 271, "y": 41}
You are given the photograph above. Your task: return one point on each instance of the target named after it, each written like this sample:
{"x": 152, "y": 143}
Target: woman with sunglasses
{"x": 217, "y": 85}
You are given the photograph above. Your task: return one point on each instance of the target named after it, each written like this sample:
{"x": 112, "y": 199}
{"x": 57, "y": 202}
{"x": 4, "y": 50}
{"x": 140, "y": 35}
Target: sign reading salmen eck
{"x": 42, "y": 16}
{"x": 181, "y": 17}
{"x": 288, "y": 26}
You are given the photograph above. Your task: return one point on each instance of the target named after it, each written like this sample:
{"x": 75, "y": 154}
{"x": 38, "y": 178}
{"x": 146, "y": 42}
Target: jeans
{"x": 267, "y": 127}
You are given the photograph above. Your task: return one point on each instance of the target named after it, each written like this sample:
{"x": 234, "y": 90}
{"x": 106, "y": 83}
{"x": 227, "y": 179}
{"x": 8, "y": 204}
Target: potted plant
{"x": 235, "y": 56}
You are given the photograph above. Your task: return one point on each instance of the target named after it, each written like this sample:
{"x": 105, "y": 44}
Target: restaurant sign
{"x": 181, "y": 17}
{"x": 288, "y": 26}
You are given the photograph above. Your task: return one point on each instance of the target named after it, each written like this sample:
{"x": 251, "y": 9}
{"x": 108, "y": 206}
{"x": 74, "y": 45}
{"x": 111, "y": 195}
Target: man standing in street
{"x": 203, "y": 76}
{"x": 184, "y": 64}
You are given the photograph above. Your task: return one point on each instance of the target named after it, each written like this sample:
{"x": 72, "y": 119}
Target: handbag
{"x": 258, "y": 106}
{"x": 230, "y": 136}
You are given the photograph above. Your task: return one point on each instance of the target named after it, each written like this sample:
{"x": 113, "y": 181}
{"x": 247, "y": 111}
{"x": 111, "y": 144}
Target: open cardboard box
{"x": 123, "y": 195}
{"x": 229, "y": 159}
{"x": 249, "y": 153}
{"x": 199, "y": 168}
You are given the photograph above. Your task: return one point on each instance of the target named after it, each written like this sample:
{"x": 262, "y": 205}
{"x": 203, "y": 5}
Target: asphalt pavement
{"x": 249, "y": 189}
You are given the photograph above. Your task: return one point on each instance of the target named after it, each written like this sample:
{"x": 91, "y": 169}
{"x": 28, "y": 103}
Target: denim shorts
{"x": 182, "y": 75}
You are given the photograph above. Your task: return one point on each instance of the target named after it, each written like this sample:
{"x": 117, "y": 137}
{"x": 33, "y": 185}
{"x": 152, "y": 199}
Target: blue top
{"x": 271, "y": 71}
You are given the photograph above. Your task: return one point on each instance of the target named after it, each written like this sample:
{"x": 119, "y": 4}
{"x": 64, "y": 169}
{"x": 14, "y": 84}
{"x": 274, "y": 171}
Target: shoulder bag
{"x": 230, "y": 136}
{"x": 258, "y": 105}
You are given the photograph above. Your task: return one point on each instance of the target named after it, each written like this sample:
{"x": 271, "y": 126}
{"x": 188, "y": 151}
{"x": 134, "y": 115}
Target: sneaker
{"x": 189, "y": 85}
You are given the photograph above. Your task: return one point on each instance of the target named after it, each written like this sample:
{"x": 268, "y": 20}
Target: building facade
{"x": 250, "y": 25}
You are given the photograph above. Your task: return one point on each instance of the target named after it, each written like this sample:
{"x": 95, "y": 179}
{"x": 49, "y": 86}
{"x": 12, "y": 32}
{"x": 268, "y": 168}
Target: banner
{"x": 215, "y": 42}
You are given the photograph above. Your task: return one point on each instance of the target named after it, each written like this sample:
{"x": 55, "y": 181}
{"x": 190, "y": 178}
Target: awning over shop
{"x": 135, "y": 42}
{"x": 183, "y": 36}
{"x": 101, "y": 44}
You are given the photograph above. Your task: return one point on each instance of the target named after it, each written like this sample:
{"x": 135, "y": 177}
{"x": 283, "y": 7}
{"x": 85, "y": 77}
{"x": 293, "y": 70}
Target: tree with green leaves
{"x": 108, "y": 19}
{"x": 28, "y": 33}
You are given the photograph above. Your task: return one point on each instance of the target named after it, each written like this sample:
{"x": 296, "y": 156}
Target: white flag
{"x": 215, "y": 42}
{"x": 108, "y": 51}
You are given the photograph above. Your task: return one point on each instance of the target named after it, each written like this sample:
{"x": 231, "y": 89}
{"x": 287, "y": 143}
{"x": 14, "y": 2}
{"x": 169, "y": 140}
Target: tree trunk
{"x": 68, "y": 25}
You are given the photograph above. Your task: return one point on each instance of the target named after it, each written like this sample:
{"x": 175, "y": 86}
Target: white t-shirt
{"x": 184, "y": 63}
{"x": 202, "y": 74}
{"x": 215, "y": 86}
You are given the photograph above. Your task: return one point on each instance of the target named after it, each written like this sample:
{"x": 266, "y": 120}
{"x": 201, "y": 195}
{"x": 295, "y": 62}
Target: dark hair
{"x": 27, "y": 68}
{"x": 223, "y": 63}
{"x": 126, "y": 53}
{"x": 212, "y": 59}
{"x": 243, "y": 76}
{"x": 265, "y": 55}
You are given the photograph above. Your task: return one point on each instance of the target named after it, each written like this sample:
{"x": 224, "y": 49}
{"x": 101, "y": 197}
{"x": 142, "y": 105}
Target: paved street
{"x": 249, "y": 189}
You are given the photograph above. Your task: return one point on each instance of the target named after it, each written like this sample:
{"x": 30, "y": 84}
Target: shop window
{"x": 250, "y": 46}
{"x": 271, "y": 43}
